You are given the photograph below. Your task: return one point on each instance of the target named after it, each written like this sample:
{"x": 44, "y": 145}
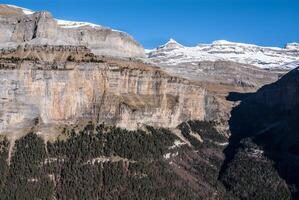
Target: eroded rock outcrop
{"x": 49, "y": 72}
{"x": 65, "y": 84}
{"x": 22, "y": 26}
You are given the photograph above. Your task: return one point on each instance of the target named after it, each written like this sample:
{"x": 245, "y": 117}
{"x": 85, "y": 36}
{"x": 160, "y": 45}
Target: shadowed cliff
{"x": 264, "y": 144}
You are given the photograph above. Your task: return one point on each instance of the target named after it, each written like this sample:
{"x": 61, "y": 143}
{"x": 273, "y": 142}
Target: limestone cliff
{"x": 67, "y": 84}
{"x": 23, "y": 26}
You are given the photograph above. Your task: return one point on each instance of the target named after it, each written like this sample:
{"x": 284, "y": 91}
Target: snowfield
{"x": 74, "y": 24}
{"x": 174, "y": 53}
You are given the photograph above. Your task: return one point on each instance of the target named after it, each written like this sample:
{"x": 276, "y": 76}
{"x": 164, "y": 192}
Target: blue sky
{"x": 153, "y": 22}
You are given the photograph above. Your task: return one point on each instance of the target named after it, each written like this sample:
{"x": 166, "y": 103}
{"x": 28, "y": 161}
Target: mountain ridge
{"x": 259, "y": 56}
{"x": 21, "y": 26}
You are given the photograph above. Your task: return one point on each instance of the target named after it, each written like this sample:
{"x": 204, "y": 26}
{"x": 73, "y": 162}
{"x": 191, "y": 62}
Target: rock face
{"x": 272, "y": 105}
{"x": 49, "y": 71}
{"x": 225, "y": 72}
{"x": 225, "y": 63}
{"x": 24, "y": 26}
{"x": 66, "y": 84}
{"x": 265, "y": 126}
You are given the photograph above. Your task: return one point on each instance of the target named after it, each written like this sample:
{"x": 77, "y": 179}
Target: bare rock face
{"x": 67, "y": 84}
{"x": 272, "y": 110}
{"x": 46, "y": 83}
{"x": 225, "y": 72}
{"x": 52, "y": 72}
{"x": 19, "y": 26}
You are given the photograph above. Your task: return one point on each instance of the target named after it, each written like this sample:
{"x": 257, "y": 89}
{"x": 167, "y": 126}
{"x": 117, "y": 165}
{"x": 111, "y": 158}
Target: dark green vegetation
{"x": 103, "y": 162}
{"x": 69, "y": 169}
{"x": 25, "y": 178}
{"x": 207, "y": 132}
{"x": 4, "y": 145}
{"x": 251, "y": 175}
{"x": 98, "y": 141}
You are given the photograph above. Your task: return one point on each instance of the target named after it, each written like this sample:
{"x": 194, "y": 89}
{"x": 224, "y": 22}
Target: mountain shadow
{"x": 262, "y": 159}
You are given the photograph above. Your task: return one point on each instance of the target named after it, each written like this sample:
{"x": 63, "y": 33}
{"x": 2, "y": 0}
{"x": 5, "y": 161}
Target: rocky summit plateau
{"x": 87, "y": 113}
{"x": 19, "y": 25}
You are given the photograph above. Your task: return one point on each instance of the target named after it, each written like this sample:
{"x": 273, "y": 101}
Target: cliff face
{"x": 225, "y": 72}
{"x": 18, "y": 26}
{"x": 50, "y": 71}
{"x": 264, "y": 129}
{"x": 274, "y": 105}
{"x": 281, "y": 95}
{"x": 67, "y": 84}
{"x": 46, "y": 83}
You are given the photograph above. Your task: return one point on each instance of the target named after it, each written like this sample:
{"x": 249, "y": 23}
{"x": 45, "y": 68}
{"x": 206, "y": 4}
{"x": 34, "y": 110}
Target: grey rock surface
{"x": 43, "y": 82}
{"x": 18, "y": 26}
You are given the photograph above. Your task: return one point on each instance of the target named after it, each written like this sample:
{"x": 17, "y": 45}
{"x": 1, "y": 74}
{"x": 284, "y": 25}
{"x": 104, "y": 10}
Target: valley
{"x": 87, "y": 113}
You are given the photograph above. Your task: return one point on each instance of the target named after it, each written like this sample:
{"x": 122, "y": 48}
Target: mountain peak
{"x": 171, "y": 44}
{"x": 259, "y": 56}
{"x": 171, "y": 40}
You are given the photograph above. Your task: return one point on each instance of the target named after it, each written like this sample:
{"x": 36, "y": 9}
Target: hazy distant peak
{"x": 173, "y": 53}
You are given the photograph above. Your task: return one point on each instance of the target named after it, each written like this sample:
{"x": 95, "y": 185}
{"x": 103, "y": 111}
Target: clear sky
{"x": 153, "y": 22}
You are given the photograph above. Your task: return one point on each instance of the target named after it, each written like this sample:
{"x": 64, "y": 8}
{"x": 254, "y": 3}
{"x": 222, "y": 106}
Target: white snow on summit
{"x": 74, "y": 24}
{"x": 25, "y": 10}
{"x": 61, "y": 23}
{"x": 171, "y": 44}
{"x": 173, "y": 53}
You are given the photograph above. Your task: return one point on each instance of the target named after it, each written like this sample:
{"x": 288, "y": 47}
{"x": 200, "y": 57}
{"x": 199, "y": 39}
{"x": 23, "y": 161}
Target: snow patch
{"x": 148, "y": 50}
{"x": 170, "y": 155}
{"x": 177, "y": 143}
{"x": 221, "y": 144}
{"x": 167, "y": 156}
{"x": 74, "y": 24}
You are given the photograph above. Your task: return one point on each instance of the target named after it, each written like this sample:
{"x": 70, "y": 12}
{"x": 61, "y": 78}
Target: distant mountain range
{"x": 174, "y": 54}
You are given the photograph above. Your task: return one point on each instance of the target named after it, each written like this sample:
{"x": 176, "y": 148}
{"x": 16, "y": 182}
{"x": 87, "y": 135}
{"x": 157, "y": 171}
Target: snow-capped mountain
{"x": 173, "y": 54}
{"x": 23, "y": 26}
{"x": 61, "y": 23}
